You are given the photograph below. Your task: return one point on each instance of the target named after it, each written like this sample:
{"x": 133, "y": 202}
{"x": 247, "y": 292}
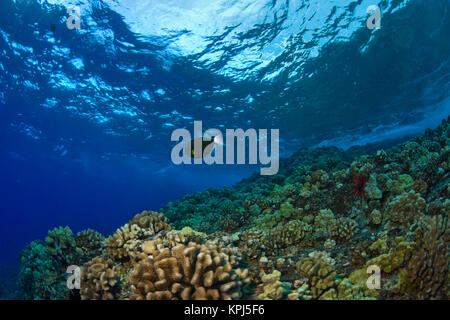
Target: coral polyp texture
{"x": 313, "y": 231}
{"x": 186, "y": 272}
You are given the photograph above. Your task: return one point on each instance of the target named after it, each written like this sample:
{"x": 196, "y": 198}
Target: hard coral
{"x": 426, "y": 276}
{"x": 405, "y": 209}
{"x": 99, "y": 281}
{"x": 320, "y": 274}
{"x": 123, "y": 244}
{"x": 62, "y": 246}
{"x": 272, "y": 288}
{"x": 188, "y": 272}
{"x": 90, "y": 242}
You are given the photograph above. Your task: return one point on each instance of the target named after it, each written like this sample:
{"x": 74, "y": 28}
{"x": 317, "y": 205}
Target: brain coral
{"x": 99, "y": 281}
{"x": 188, "y": 272}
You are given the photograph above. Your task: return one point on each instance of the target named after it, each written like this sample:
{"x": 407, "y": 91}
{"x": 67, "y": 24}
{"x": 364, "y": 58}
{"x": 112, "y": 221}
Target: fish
{"x": 207, "y": 147}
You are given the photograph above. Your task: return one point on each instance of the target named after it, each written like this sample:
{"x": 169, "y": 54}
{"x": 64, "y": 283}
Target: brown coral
{"x": 426, "y": 276}
{"x": 343, "y": 229}
{"x": 406, "y": 208}
{"x": 320, "y": 274}
{"x": 289, "y": 234}
{"x": 151, "y": 221}
{"x": 127, "y": 239}
{"x": 271, "y": 287}
{"x": 99, "y": 281}
{"x": 188, "y": 272}
{"x": 90, "y": 242}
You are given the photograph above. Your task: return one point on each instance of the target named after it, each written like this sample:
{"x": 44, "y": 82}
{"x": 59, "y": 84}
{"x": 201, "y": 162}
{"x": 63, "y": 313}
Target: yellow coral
{"x": 272, "y": 288}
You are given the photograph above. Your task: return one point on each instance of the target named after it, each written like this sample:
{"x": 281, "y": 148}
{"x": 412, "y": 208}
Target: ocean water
{"x": 87, "y": 111}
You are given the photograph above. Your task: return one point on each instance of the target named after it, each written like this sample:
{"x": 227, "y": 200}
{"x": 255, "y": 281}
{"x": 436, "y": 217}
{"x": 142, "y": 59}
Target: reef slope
{"x": 323, "y": 228}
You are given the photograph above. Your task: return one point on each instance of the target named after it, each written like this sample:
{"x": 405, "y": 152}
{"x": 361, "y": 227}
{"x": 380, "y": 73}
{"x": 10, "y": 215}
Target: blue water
{"x": 86, "y": 115}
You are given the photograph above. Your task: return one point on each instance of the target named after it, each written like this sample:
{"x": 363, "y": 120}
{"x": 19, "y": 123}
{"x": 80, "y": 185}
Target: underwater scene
{"x": 224, "y": 149}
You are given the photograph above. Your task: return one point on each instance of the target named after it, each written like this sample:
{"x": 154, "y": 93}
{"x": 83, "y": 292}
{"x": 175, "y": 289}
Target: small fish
{"x": 53, "y": 28}
{"x": 207, "y": 147}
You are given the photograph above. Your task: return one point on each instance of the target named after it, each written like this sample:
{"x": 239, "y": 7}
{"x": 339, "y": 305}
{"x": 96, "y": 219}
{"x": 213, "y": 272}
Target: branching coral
{"x": 323, "y": 221}
{"x": 395, "y": 219}
{"x": 255, "y": 243}
{"x": 152, "y": 222}
{"x": 40, "y": 276}
{"x": 90, "y": 242}
{"x": 61, "y": 244}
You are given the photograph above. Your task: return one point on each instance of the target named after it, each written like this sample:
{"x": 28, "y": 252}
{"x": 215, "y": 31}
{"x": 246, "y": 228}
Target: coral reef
{"x": 42, "y": 273}
{"x": 313, "y": 231}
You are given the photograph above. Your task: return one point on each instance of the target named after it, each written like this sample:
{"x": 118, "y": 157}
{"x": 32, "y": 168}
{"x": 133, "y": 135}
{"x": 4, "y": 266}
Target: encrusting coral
{"x": 313, "y": 231}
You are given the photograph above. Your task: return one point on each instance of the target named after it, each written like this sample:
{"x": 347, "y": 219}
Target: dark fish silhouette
{"x": 207, "y": 147}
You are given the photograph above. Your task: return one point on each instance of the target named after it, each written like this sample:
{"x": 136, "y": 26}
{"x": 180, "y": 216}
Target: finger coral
{"x": 99, "y": 281}
{"x": 272, "y": 288}
{"x": 320, "y": 274}
{"x": 187, "y": 272}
